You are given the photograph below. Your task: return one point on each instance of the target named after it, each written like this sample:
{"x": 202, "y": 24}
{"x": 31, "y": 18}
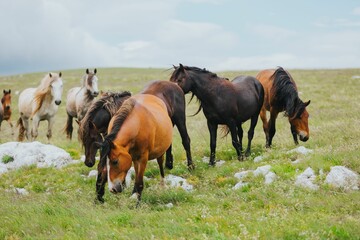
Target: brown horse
{"x": 281, "y": 95}
{"x": 223, "y": 102}
{"x": 141, "y": 130}
{"x": 6, "y": 107}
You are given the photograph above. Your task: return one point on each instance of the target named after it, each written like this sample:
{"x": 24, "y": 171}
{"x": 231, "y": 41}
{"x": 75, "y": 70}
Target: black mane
{"x": 285, "y": 94}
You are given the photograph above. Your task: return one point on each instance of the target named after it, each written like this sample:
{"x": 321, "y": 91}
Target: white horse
{"x": 40, "y": 104}
{"x": 79, "y": 99}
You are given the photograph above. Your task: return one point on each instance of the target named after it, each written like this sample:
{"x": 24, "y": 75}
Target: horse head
{"x": 181, "y": 77}
{"x": 91, "y": 82}
{"x": 56, "y": 87}
{"x": 299, "y": 121}
{"x": 6, "y": 99}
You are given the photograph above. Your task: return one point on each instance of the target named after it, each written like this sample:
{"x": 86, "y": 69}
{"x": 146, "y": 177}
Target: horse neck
{"x": 202, "y": 85}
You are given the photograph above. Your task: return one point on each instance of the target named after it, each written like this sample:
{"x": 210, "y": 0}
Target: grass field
{"x": 61, "y": 202}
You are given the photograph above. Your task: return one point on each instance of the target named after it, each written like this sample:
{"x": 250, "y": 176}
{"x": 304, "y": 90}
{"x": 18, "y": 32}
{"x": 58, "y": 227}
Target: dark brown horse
{"x": 281, "y": 95}
{"x": 223, "y": 102}
{"x": 6, "y": 108}
{"x": 141, "y": 130}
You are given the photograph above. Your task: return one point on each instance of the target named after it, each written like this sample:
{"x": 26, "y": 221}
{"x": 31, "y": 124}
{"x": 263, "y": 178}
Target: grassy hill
{"x": 61, "y": 202}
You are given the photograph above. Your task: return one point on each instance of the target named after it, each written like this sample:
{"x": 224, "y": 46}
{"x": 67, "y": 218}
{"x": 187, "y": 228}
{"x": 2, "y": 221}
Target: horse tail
{"x": 68, "y": 129}
{"x": 21, "y": 129}
{"x": 224, "y": 129}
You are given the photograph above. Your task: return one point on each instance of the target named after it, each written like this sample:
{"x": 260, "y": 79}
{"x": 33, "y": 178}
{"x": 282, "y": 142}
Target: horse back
{"x": 26, "y": 103}
{"x": 172, "y": 95}
{"x": 71, "y": 101}
{"x": 148, "y": 127}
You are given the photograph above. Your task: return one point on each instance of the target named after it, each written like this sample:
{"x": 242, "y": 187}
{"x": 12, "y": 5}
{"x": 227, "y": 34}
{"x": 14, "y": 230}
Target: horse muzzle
{"x": 95, "y": 94}
{"x": 89, "y": 163}
{"x": 57, "y": 102}
{"x": 303, "y": 137}
{"x": 118, "y": 187}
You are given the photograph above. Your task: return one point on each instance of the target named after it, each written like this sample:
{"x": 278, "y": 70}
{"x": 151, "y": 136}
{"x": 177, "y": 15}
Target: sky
{"x": 219, "y": 35}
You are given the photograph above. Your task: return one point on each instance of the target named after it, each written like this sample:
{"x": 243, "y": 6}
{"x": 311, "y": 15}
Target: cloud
{"x": 272, "y": 32}
{"x": 356, "y": 11}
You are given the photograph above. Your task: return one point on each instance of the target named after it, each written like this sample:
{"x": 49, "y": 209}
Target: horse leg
{"x": 213, "y": 134}
{"x": 69, "y": 126}
{"x": 35, "y": 126}
{"x": 272, "y": 127}
{"x": 265, "y": 125}
{"x": 50, "y": 126}
{"x": 253, "y": 123}
{"x": 11, "y": 126}
{"x": 160, "y": 161}
{"x": 100, "y": 183}
{"x": 181, "y": 126}
{"x": 294, "y": 134}
{"x": 139, "y": 166}
{"x": 237, "y": 140}
{"x": 169, "y": 158}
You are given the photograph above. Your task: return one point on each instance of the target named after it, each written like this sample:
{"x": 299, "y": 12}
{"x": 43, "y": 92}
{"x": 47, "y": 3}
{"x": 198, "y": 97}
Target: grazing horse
{"x": 141, "y": 130}
{"x": 223, "y": 102}
{"x": 281, "y": 95}
{"x": 79, "y": 99}
{"x": 40, "y": 104}
{"x": 6, "y": 107}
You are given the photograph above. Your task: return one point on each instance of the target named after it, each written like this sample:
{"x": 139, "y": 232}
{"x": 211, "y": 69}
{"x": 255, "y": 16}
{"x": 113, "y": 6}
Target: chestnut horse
{"x": 6, "y": 107}
{"x": 40, "y": 104}
{"x": 281, "y": 95}
{"x": 79, "y": 99}
{"x": 223, "y": 102}
{"x": 141, "y": 130}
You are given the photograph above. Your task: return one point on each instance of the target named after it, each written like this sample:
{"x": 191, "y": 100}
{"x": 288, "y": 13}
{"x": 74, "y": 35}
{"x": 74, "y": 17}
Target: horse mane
{"x": 120, "y": 118}
{"x": 110, "y": 101}
{"x": 43, "y": 89}
{"x": 285, "y": 94}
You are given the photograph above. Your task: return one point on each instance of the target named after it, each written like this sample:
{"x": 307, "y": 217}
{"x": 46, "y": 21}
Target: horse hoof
{"x": 99, "y": 200}
{"x": 212, "y": 163}
{"x": 191, "y": 167}
{"x": 241, "y": 158}
{"x": 169, "y": 166}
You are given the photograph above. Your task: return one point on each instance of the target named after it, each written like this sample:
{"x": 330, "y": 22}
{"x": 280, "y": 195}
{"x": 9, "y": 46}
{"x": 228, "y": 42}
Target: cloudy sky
{"x": 49, "y": 35}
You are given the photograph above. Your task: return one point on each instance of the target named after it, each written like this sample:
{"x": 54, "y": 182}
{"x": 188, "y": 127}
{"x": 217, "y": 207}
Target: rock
{"x": 169, "y": 205}
{"x": 263, "y": 170}
{"x": 129, "y": 174}
{"x": 306, "y": 179}
{"x": 25, "y": 154}
{"x": 240, "y": 185}
{"x": 343, "y": 177}
{"x": 258, "y": 159}
{"x": 176, "y": 181}
{"x": 243, "y": 174}
{"x": 270, "y": 177}
{"x": 302, "y": 150}
{"x": 21, "y": 191}
{"x": 93, "y": 173}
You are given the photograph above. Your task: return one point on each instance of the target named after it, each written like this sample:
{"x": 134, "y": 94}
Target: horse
{"x": 223, "y": 102}
{"x": 281, "y": 95}
{"x": 6, "y": 108}
{"x": 96, "y": 120}
{"x": 40, "y": 104}
{"x": 79, "y": 99}
{"x": 140, "y": 131}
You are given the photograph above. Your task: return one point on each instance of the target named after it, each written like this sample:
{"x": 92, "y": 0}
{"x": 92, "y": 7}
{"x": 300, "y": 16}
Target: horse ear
{"x": 50, "y": 75}
{"x": 307, "y": 103}
{"x": 9, "y": 91}
{"x": 95, "y": 71}
{"x": 4, "y": 91}
{"x": 60, "y": 74}
{"x": 181, "y": 67}
{"x": 77, "y": 121}
{"x": 87, "y": 71}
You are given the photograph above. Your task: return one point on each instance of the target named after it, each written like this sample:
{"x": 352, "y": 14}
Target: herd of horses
{"x": 132, "y": 129}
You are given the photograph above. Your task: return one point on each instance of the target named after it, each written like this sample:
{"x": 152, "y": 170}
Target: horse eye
{"x": 114, "y": 162}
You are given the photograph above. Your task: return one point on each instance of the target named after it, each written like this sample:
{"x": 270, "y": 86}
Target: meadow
{"x": 60, "y": 203}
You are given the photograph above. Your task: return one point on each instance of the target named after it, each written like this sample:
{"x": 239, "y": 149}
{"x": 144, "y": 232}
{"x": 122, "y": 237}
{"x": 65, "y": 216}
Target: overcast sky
{"x": 49, "y": 35}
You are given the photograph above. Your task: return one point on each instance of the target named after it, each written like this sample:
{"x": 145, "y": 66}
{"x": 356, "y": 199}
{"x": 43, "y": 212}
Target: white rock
{"x": 169, "y": 205}
{"x": 302, "y": 150}
{"x": 240, "y": 185}
{"x": 205, "y": 159}
{"x": 263, "y": 170}
{"x": 219, "y": 163}
{"x": 25, "y": 154}
{"x": 270, "y": 177}
{"x": 129, "y": 174}
{"x": 82, "y": 158}
{"x": 258, "y": 159}
{"x": 343, "y": 177}
{"x": 176, "y": 181}
{"x": 93, "y": 173}
{"x": 306, "y": 179}
{"x": 21, "y": 191}
{"x": 243, "y": 174}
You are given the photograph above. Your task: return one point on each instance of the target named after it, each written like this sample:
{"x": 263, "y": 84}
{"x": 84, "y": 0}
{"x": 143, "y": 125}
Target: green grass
{"x": 60, "y": 203}
{"x": 6, "y": 159}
